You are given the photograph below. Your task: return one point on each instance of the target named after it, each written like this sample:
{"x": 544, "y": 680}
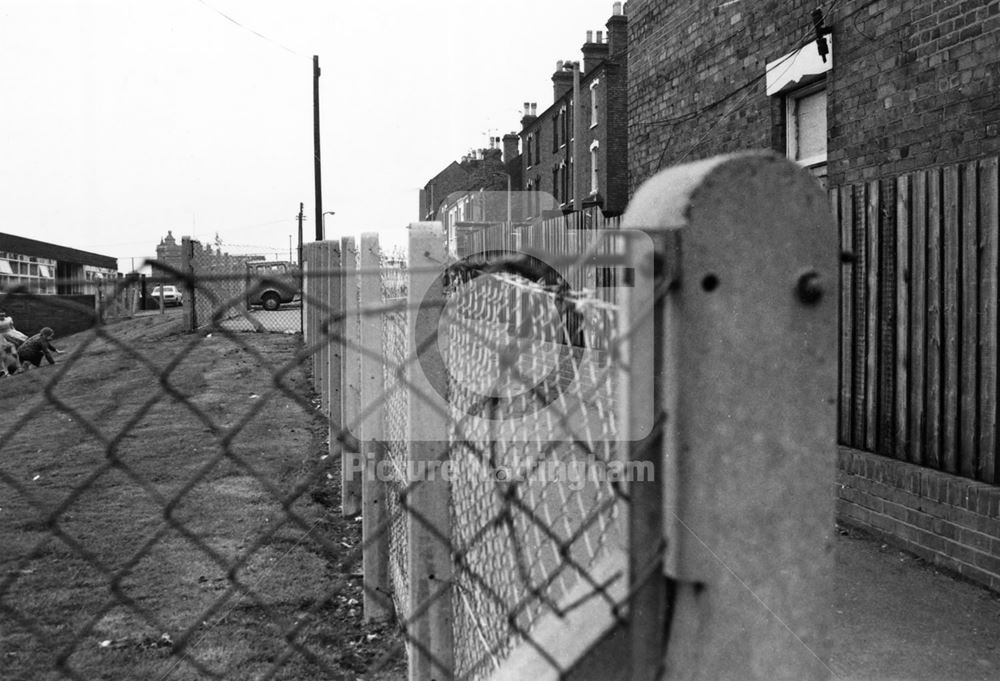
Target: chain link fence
{"x": 545, "y": 462}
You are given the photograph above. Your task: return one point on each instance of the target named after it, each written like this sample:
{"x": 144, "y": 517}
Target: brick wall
{"x": 947, "y": 520}
{"x": 913, "y": 82}
{"x": 610, "y": 134}
{"x": 614, "y": 144}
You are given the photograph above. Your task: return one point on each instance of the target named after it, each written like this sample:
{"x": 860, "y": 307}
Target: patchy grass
{"x": 176, "y": 521}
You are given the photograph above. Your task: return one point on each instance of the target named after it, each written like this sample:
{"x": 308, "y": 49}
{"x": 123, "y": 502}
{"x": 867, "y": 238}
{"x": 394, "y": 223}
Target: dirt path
{"x": 156, "y": 516}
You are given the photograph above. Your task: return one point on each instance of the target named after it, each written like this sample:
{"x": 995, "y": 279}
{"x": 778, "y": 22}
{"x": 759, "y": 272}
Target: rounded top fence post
{"x": 746, "y": 388}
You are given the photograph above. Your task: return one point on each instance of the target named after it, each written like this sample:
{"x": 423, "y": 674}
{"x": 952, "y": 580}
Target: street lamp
{"x": 325, "y": 213}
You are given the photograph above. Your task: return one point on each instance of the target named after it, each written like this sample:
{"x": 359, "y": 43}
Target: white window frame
{"x": 594, "y": 156}
{"x": 593, "y": 103}
{"x": 792, "y": 99}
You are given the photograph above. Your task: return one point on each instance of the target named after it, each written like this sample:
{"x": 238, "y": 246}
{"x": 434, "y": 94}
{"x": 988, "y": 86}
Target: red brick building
{"x": 591, "y": 170}
{"x": 482, "y": 189}
{"x": 894, "y": 106}
{"x": 911, "y": 83}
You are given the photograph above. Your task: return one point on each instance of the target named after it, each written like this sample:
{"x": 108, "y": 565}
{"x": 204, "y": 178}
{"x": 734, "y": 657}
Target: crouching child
{"x": 37, "y": 347}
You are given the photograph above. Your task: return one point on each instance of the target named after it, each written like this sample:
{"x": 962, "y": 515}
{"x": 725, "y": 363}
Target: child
{"x": 8, "y": 332}
{"x": 37, "y": 347}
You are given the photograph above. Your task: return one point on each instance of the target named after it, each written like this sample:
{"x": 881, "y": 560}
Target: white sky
{"x": 121, "y": 119}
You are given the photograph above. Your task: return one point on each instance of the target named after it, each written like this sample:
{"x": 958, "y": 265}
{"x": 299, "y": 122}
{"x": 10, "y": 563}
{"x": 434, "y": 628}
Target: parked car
{"x": 171, "y": 295}
{"x": 271, "y": 283}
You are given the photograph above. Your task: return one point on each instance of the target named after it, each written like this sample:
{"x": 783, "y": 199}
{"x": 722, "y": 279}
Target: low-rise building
{"x": 47, "y": 268}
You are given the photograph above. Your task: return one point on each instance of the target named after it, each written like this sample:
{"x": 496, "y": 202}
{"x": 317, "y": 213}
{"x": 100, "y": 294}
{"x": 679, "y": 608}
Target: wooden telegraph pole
{"x": 316, "y": 161}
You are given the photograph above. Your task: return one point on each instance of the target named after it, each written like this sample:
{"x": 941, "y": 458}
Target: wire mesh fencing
{"x": 169, "y": 508}
{"x": 557, "y": 462}
{"x": 494, "y": 408}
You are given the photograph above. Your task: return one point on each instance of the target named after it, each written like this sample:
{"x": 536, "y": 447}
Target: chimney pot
{"x": 600, "y": 36}
{"x": 559, "y": 65}
{"x": 617, "y": 9}
{"x": 590, "y": 36}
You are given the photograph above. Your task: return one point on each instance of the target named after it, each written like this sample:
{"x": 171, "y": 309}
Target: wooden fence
{"x": 918, "y": 308}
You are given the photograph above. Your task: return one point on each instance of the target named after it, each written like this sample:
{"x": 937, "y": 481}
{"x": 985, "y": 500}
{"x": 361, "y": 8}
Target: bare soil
{"x": 168, "y": 511}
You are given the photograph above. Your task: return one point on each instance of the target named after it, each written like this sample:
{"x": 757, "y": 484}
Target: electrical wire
{"x": 803, "y": 42}
{"x": 250, "y": 30}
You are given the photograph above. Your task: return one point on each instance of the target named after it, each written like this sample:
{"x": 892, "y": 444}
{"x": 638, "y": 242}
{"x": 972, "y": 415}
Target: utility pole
{"x": 316, "y": 161}
{"x": 302, "y": 275}
{"x": 301, "y": 217}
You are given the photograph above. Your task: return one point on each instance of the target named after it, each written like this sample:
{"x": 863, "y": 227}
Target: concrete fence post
{"x": 321, "y": 290}
{"x": 329, "y": 282}
{"x": 188, "y": 302}
{"x": 375, "y": 537}
{"x": 351, "y": 378}
{"x": 428, "y": 498}
{"x": 746, "y": 355}
{"x": 309, "y": 308}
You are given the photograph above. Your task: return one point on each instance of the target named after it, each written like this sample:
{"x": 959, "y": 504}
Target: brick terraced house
{"x": 894, "y": 106}
{"x": 576, "y": 149}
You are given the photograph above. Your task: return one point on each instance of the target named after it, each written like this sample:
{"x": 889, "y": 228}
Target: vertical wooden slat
{"x": 903, "y": 269}
{"x": 871, "y": 358}
{"x": 918, "y": 316}
{"x": 935, "y": 387}
{"x": 988, "y": 240}
{"x": 860, "y": 313}
{"x": 951, "y": 240}
{"x": 968, "y": 313}
{"x": 844, "y": 210}
{"x": 886, "y": 220}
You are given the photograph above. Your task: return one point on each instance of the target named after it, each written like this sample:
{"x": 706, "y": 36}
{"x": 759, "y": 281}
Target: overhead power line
{"x": 250, "y": 30}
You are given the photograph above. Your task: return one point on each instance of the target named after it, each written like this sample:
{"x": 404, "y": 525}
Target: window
{"x": 593, "y": 103}
{"x": 531, "y": 141}
{"x": 5, "y": 267}
{"x": 593, "y": 167}
{"x": 555, "y": 132}
{"x": 806, "y": 129}
{"x": 565, "y": 184}
{"x": 570, "y": 180}
{"x": 555, "y": 182}
{"x": 799, "y": 78}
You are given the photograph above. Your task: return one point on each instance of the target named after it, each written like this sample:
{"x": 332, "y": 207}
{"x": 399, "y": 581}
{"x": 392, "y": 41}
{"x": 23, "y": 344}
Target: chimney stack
{"x": 617, "y": 34}
{"x": 562, "y": 81}
{"x": 510, "y": 145}
{"x": 529, "y": 114}
{"x": 593, "y": 52}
